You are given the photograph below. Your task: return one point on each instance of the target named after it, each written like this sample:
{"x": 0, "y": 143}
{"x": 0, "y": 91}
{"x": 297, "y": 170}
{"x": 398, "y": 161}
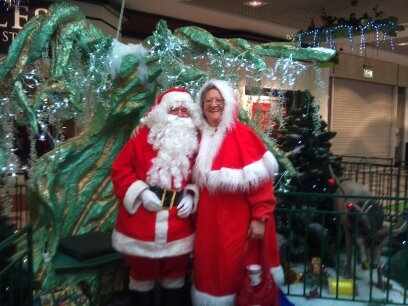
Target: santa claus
{"x": 151, "y": 179}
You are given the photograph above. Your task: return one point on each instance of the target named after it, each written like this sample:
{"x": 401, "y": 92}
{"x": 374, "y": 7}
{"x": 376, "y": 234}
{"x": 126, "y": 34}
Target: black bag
{"x": 85, "y": 246}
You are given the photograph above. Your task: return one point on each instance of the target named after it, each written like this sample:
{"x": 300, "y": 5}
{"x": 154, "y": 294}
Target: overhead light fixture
{"x": 255, "y": 3}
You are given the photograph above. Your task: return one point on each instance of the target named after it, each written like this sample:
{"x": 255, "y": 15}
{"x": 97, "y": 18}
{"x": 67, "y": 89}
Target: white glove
{"x": 278, "y": 275}
{"x": 150, "y": 200}
{"x": 185, "y": 207}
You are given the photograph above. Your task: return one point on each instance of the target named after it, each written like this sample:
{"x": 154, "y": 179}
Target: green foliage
{"x": 314, "y": 280}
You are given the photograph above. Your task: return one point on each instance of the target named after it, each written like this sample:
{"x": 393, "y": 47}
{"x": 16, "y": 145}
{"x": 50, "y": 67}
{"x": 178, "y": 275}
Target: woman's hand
{"x": 256, "y": 229}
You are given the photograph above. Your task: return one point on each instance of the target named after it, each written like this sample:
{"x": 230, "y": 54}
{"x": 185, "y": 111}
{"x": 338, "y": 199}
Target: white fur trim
{"x": 271, "y": 163}
{"x": 171, "y": 100}
{"x": 119, "y": 50}
{"x": 162, "y": 228}
{"x": 209, "y": 146}
{"x": 142, "y": 286}
{"x": 196, "y": 195}
{"x": 231, "y": 180}
{"x": 204, "y": 299}
{"x": 172, "y": 283}
{"x": 175, "y": 97}
{"x": 150, "y": 249}
{"x": 132, "y": 200}
{"x": 278, "y": 275}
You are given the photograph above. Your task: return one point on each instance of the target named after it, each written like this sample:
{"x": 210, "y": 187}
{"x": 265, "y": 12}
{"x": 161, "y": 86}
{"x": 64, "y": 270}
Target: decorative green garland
{"x": 335, "y": 28}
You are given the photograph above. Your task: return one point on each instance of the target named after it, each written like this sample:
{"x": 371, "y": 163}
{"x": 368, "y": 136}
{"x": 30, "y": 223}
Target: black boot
{"x": 140, "y": 298}
{"x": 173, "y": 297}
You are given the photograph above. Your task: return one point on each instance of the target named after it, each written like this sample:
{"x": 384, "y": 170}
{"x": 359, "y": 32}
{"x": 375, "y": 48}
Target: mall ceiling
{"x": 273, "y": 21}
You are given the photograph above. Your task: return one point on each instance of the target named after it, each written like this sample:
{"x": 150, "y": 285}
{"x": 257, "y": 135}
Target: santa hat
{"x": 173, "y": 98}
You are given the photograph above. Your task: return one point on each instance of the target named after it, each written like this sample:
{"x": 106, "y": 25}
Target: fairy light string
{"x": 329, "y": 33}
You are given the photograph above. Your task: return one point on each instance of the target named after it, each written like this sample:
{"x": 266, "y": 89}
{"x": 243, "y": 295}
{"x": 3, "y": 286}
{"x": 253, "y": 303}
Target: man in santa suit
{"x": 151, "y": 179}
{"x": 235, "y": 173}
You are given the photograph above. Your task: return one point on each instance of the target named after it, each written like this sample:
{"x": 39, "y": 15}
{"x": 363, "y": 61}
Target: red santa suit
{"x": 144, "y": 162}
{"x": 235, "y": 172}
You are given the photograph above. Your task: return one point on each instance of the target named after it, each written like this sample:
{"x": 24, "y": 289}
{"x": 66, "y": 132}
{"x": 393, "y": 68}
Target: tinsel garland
{"x": 58, "y": 68}
{"x": 354, "y": 27}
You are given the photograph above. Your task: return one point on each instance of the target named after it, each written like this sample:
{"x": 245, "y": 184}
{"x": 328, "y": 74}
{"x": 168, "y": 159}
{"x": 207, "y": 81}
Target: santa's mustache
{"x": 171, "y": 131}
{"x": 180, "y": 121}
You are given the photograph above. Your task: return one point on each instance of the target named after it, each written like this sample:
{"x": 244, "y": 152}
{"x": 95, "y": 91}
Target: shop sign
{"x": 14, "y": 17}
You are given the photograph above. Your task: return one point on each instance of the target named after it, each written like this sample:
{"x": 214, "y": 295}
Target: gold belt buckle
{"x": 165, "y": 203}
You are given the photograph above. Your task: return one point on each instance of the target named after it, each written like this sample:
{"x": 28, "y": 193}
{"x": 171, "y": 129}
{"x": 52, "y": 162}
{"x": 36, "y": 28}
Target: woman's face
{"x": 213, "y": 107}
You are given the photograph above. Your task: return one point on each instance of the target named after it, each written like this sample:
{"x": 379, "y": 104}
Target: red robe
{"x": 137, "y": 231}
{"x": 235, "y": 172}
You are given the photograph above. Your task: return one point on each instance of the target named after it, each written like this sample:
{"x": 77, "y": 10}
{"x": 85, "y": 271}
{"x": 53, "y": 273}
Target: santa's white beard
{"x": 176, "y": 140}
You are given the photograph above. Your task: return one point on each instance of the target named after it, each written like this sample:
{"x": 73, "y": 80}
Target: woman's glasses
{"x": 216, "y": 101}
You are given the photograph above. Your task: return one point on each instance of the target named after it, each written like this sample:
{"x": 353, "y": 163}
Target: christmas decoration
{"x": 306, "y": 143}
{"x": 349, "y": 205}
{"x": 62, "y": 297}
{"x": 313, "y": 280}
{"x": 331, "y": 182}
{"x": 341, "y": 27}
{"x": 59, "y": 68}
{"x": 312, "y": 294}
{"x": 316, "y": 266}
{"x": 292, "y": 276}
{"x": 341, "y": 286}
{"x": 305, "y": 140}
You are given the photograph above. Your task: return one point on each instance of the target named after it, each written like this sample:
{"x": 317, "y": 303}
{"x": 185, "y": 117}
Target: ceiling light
{"x": 255, "y": 3}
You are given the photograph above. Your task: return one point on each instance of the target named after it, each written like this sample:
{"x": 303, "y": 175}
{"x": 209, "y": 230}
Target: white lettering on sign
{"x": 13, "y": 20}
{"x": 40, "y": 11}
{"x": 20, "y": 14}
{"x": 8, "y": 36}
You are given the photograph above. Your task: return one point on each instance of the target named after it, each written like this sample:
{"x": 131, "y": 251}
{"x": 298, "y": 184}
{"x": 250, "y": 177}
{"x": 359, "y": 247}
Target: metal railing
{"x": 315, "y": 259}
{"x": 13, "y": 198}
{"x": 16, "y": 269}
{"x": 314, "y": 242}
{"x": 387, "y": 181}
{"x": 367, "y": 160}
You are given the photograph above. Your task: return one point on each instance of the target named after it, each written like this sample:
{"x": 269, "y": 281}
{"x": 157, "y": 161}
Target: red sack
{"x": 265, "y": 293}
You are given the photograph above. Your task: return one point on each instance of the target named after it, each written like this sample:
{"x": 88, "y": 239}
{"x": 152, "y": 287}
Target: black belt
{"x": 168, "y": 197}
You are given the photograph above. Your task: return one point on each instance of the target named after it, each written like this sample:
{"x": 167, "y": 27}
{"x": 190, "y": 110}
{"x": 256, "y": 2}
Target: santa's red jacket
{"x": 138, "y": 231}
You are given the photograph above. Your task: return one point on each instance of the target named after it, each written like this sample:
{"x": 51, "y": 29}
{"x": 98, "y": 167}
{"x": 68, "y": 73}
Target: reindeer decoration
{"x": 362, "y": 216}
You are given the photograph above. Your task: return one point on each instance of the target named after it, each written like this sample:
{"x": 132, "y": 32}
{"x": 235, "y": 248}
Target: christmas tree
{"x": 305, "y": 140}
